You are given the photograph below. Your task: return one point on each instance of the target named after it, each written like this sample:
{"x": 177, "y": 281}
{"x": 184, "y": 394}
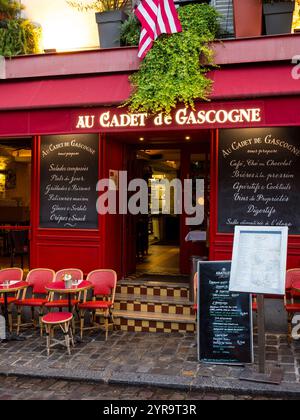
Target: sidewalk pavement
{"x": 145, "y": 359}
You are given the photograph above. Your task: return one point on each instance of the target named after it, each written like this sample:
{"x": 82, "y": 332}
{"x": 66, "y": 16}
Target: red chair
{"x": 254, "y": 303}
{"x": 64, "y": 303}
{"x": 288, "y": 288}
{"x": 292, "y": 307}
{"x": 105, "y": 283}
{"x": 10, "y": 274}
{"x": 62, "y": 320}
{"x": 37, "y": 279}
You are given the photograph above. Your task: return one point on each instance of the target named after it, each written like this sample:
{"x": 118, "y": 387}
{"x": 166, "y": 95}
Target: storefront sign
{"x": 225, "y": 319}
{"x": 259, "y": 173}
{"x": 69, "y": 175}
{"x": 205, "y": 115}
{"x": 259, "y": 260}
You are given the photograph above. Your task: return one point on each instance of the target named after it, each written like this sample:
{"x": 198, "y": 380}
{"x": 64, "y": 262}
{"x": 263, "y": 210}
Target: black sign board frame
{"x": 69, "y": 172}
{"x": 258, "y": 178}
{"x": 232, "y": 311}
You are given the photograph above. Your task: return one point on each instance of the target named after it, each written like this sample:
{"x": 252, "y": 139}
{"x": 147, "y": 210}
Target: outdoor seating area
{"x": 89, "y": 303}
{"x": 47, "y": 309}
{"x": 57, "y": 301}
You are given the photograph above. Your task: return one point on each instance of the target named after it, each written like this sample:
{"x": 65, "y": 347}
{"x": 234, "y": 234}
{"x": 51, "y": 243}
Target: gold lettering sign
{"x": 182, "y": 117}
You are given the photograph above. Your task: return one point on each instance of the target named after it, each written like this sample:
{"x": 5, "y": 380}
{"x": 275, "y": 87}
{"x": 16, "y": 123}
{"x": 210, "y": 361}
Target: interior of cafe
{"x": 159, "y": 234}
{"x": 15, "y": 196}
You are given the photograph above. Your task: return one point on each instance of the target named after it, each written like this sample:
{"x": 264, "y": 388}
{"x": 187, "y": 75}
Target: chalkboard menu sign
{"x": 259, "y": 178}
{"x": 225, "y": 334}
{"x": 69, "y": 175}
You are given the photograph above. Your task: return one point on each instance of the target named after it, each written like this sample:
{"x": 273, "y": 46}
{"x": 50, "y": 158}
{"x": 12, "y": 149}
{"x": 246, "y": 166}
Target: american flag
{"x": 157, "y": 17}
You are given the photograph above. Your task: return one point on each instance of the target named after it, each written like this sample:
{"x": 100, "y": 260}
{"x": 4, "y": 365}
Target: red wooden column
{"x": 220, "y": 244}
{"x": 115, "y": 246}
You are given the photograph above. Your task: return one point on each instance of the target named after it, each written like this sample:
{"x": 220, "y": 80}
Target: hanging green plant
{"x": 17, "y": 35}
{"x": 174, "y": 70}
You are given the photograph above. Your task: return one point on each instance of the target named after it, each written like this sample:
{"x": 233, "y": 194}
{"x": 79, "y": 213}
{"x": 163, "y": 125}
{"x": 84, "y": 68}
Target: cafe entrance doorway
{"x": 161, "y": 243}
{"x": 15, "y": 201}
{"x": 158, "y": 233}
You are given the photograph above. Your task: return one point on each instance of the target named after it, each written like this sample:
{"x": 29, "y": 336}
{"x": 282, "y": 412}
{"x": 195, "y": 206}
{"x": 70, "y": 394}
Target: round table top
{"x": 60, "y": 287}
{"x": 14, "y": 286}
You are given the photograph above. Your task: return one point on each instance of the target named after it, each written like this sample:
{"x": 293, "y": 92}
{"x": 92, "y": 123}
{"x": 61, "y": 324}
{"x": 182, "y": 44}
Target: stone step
{"x": 153, "y": 289}
{"x": 153, "y": 322}
{"x": 154, "y": 304}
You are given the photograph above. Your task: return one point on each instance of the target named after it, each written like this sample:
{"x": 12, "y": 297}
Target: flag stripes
{"x": 157, "y": 17}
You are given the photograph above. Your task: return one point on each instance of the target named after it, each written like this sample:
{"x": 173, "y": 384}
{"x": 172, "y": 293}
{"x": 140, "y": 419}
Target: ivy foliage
{"x": 10, "y": 9}
{"x": 175, "y": 69}
{"x": 17, "y": 35}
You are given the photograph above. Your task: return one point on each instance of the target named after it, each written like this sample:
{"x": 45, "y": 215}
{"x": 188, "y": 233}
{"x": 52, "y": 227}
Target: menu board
{"x": 68, "y": 179}
{"x": 259, "y": 178}
{"x": 259, "y": 260}
{"x": 225, "y": 333}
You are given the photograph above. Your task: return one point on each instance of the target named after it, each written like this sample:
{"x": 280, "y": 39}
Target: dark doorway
{"x": 15, "y": 201}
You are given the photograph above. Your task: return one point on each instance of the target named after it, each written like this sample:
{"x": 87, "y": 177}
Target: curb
{"x": 199, "y": 384}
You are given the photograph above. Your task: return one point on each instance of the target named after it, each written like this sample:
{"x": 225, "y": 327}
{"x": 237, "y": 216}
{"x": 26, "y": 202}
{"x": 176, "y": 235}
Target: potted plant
{"x": 278, "y": 16}
{"x": 110, "y": 15}
{"x": 247, "y": 18}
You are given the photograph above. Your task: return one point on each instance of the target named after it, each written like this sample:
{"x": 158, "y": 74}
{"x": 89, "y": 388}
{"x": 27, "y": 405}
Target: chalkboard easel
{"x": 224, "y": 327}
{"x": 259, "y": 263}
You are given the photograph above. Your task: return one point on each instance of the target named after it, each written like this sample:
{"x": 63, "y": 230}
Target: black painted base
{"x": 12, "y": 337}
{"x": 272, "y": 377}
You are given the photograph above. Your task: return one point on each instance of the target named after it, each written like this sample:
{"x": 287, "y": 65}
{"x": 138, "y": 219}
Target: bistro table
{"x": 78, "y": 286}
{"x": 6, "y": 288}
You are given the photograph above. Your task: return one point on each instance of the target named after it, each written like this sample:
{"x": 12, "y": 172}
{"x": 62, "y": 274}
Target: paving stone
{"x": 289, "y": 377}
{"x": 272, "y": 357}
{"x": 227, "y": 397}
{"x": 210, "y": 397}
{"x": 221, "y": 371}
{"x": 287, "y": 360}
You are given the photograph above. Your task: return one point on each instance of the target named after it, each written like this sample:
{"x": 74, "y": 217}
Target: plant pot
{"x": 109, "y": 28}
{"x": 247, "y": 18}
{"x": 279, "y": 17}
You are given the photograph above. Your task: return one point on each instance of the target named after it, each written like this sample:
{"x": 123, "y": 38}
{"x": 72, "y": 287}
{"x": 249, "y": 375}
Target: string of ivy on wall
{"x": 175, "y": 70}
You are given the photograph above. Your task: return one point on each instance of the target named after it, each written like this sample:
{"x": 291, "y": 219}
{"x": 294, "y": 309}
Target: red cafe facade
{"x": 56, "y": 99}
